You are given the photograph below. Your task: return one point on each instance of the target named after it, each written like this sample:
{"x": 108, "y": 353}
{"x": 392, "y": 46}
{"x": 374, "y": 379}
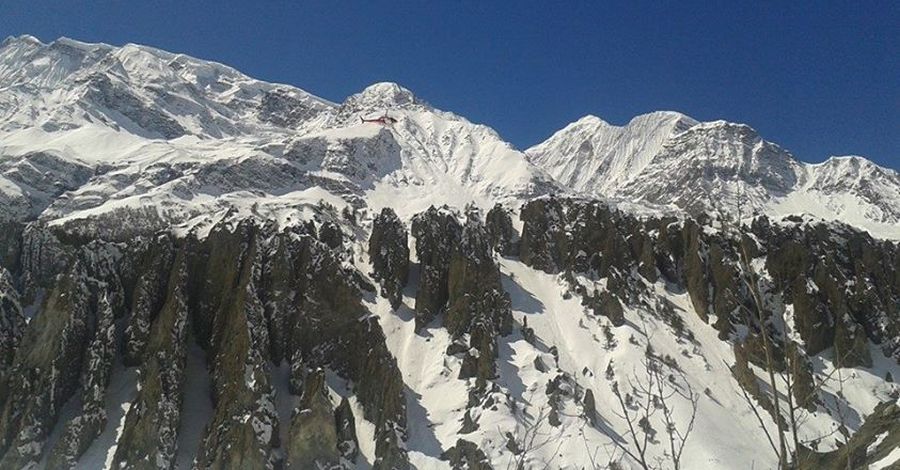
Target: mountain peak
{"x": 378, "y": 98}
{"x": 384, "y": 94}
{"x": 681, "y": 121}
{"x": 23, "y": 39}
{"x": 589, "y": 119}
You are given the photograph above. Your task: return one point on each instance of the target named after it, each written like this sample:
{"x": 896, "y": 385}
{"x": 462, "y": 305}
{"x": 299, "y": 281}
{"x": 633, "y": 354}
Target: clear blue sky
{"x": 823, "y": 80}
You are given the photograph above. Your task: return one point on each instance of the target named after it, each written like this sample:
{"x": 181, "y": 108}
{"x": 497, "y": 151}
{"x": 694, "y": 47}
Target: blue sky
{"x": 821, "y": 80}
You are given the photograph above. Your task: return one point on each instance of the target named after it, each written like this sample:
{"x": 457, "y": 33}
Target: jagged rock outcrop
{"x": 250, "y": 294}
{"x": 466, "y": 455}
{"x": 12, "y": 322}
{"x": 242, "y": 430}
{"x": 844, "y": 287}
{"x": 345, "y": 422}
{"x": 389, "y": 253}
{"x": 590, "y": 407}
{"x": 81, "y": 430}
{"x": 149, "y": 437}
{"x": 501, "y": 233}
{"x": 840, "y": 283}
{"x": 437, "y": 233}
{"x": 313, "y": 439}
{"x": 149, "y": 294}
{"x": 876, "y": 439}
{"x": 544, "y": 243}
{"x": 46, "y": 370}
{"x": 460, "y": 277}
{"x": 477, "y": 304}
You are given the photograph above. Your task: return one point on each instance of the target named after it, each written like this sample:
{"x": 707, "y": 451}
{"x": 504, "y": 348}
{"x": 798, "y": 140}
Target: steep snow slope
{"x": 667, "y": 158}
{"x": 593, "y": 156}
{"x": 169, "y": 139}
{"x": 146, "y": 91}
{"x": 581, "y": 346}
{"x": 851, "y": 189}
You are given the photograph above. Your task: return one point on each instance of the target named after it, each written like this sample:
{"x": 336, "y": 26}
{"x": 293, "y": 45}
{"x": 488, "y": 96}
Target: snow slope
{"x": 670, "y": 159}
{"x": 176, "y": 137}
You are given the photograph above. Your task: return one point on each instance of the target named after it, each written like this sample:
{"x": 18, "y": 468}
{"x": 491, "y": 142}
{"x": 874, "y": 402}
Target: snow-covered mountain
{"x": 203, "y": 270}
{"x": 189, "y": 138}
{"x": 666, "y": 158}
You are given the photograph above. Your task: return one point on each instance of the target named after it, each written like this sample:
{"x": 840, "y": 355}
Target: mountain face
{"x": 667, "y": 158}
{"x": 203, "y": 270}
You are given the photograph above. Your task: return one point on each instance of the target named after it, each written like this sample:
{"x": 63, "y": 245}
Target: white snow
{"x": 122, "y": 391}
{"x": 888, "y": 461}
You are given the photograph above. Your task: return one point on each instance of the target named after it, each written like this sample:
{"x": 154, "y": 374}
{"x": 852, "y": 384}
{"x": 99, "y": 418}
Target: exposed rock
{"x": 348, "y": 445}
{"x": 437, "y": 234}
{"x": 148, "y": 296}
{"x": 150, "y": 435}
{"x": 501, "y": 234}
{"x": 544, "y": 244}
{"x": 540, "y": 365}
{"x": 12, "y": 323}
{"x": 313, "y": 440}
{"x": 590, "y": 407}
{"x": 117, "y": 98}
{"x": 528, "y": 332}
{"x": 478, "y": 305}
{"x": 389, "y": 252}
{"x": 81, "y": 430}
{"x": 466, "y": 455}
{"x": 46, "y": 371}
{"x": 284, "y": 109}
{"x": 331, "y": 235}
{"x": 469, "y": 425}
{"x": 878, "y": 436}
{"x": 241, "y": 433}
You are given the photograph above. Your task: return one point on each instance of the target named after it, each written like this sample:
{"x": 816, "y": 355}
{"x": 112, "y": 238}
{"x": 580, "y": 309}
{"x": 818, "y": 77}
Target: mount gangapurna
{"x": 204, "y": 270}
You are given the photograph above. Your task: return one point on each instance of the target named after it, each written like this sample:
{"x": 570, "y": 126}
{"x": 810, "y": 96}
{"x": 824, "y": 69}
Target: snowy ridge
{"x": 180, "y": 137}
{"x": 591, "y": 155}
{"x": 667, "y": 158}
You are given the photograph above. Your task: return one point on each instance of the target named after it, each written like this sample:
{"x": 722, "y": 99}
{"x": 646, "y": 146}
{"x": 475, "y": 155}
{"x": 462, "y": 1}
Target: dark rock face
{"x": 389, "y": 252}
{"x": 476, "y": 303}
{"x": 247, "y": 294}
{"x": 590, "y": 407}
{"x": 12, "y": 322}
{"x": 841, "y": 284}
{"x": 45, "y": 371}
{"x": 81, "y": 430}
{"x": 345, "y": 423}
{"x": 501, "y": 233}
{"x": 837, "y": 287}
{"x": 42, "y": 177}
{"x": 282, "y": 109}
{"x": 437, "y": 234}
{"x": 881, "y": 427}
{"x": 544, "y": 243}
{"x": 466, "y": 455}
{"x": 313, "y": 440}
{"x": 149, "y": 438}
